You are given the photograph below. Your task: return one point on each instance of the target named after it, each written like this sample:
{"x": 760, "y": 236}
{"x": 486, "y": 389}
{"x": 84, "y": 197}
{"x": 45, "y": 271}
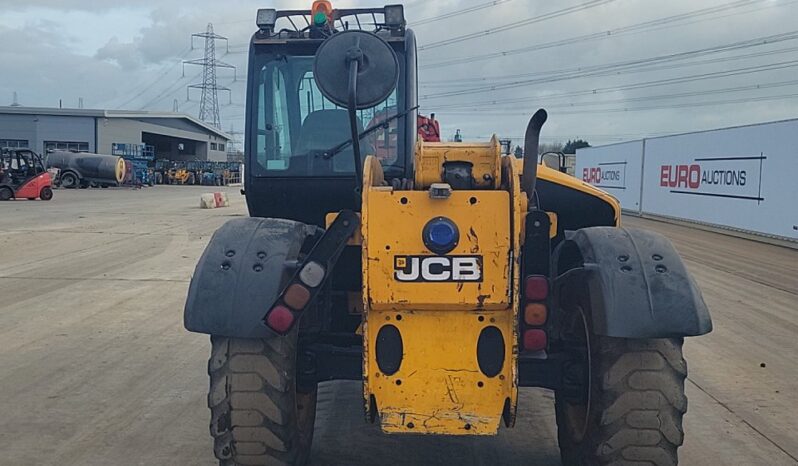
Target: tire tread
{"x": 252, "y": 402}
{"x": 638, "y": 405}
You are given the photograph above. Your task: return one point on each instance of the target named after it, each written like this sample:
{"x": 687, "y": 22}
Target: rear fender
{"x": 241, "y": 274}
{"x": 633, "y": 281}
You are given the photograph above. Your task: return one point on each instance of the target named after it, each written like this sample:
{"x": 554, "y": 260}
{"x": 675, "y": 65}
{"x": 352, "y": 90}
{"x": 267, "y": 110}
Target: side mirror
{"x": 551, "y": 160}
{"x": 357, "y": 70}
{"x": 555, "y": 160}
{"x": 360, "y": 55}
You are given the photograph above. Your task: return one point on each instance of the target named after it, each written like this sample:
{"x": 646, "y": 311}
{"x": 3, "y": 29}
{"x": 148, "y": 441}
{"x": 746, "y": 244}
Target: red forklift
{"x": 23, "y": 176}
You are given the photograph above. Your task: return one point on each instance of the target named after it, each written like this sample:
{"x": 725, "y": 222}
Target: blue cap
{"x": 440, "y": 235}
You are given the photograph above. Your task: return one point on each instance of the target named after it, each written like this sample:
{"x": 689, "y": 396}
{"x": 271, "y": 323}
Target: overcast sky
{"x": 126, "y": 54}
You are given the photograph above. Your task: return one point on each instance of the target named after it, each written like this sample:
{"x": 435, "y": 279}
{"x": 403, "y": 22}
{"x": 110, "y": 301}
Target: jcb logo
{"x": 438, "y": 268}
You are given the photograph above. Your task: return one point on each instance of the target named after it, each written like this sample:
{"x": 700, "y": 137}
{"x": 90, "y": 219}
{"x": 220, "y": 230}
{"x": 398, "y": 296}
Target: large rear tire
{"x": 633, "y": 408}
{"x": 257, "y": 415}
{"x": 69, "y": 180}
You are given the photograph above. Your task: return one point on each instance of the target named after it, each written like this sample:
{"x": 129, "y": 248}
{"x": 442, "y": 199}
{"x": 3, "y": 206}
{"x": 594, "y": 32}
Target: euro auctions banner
{"x": 743, "y": 178}
{"x": 615, "y": 168}
{"x": 730, "y": 177}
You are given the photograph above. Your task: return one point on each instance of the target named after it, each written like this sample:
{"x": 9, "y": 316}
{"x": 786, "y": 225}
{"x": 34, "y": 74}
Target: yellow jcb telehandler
{"x": 443, "y": 276}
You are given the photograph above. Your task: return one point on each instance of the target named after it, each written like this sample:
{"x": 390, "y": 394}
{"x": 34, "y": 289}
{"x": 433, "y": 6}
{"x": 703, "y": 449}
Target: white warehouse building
{"x": 175, "y": 136}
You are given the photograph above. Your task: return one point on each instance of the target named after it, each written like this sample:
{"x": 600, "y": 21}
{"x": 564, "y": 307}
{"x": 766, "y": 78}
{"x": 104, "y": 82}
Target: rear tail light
{"x": 536, "y": 288}
{"x": 535, "y": 314}
{"x": 312, "y": 274}
{"x": 296, "y": 296}
{"x": 535, "y": 340}
{"x": 536, "y": 292}
{"x": 280, "y": 319}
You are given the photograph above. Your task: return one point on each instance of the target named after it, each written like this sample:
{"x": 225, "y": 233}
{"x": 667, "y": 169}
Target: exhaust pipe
{"x": 531, "y": 144}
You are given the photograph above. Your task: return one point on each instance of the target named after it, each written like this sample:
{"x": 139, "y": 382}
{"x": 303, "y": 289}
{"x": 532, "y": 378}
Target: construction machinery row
{"x": 196, "y": 172}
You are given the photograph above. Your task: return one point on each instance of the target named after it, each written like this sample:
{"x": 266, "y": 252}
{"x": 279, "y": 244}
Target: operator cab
{"x": 299, "y": 166}
{"x": 22, "y": 175}
{"x": 18, "y": 166}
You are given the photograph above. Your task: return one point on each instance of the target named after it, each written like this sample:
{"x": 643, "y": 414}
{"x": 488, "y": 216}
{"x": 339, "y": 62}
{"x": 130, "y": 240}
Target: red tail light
{"x": 535, "y": 314}
{"x": 535, "y": 340}
{"x": 536, "y": 288}
{"x": 280, "y": 319}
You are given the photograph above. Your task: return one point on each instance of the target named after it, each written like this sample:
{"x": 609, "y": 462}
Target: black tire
{"x": 69, "y": 180}
{"x": 257, "y": 415}
{"x": 6, "y": 194}
{"x": 634, "y": 411}
{"x": 46, "y": 193}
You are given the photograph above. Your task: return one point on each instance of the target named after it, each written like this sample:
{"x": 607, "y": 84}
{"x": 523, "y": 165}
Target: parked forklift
{"x": 23, "y": 176}
{"x": 444, "y": 276}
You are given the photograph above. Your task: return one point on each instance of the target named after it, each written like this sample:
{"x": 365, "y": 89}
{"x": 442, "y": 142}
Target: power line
{"x": 484, "y": 104}
{"x": 158, "y": 79}
{"x": 635, "y": 65}
{"x": 561, "y": 138}
{"x": 758, "y": 68}
{"x": 746, "y": 100}
{"x": 662, "y": 82}
{"x": 595, "y": 91}
{"x": 171, "y": 89}
{"x": 459, "y": 12}
{"x": 517, "y": 24}
{"x": 728, "y": 90}
{"x": 650, "y": 68}
{"x": 634, "y": 28}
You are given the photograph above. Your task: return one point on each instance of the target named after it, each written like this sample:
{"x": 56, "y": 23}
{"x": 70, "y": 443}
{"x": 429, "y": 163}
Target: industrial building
{"x": 175, "y": 136}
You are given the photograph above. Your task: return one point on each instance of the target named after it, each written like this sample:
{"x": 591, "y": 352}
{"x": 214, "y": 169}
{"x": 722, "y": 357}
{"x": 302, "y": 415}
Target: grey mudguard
{"x": 240, "y": 274}
{"x": 638, "y": 285}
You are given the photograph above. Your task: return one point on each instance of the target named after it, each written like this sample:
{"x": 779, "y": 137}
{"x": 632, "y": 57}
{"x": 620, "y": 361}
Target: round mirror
{"x": 378, "y": 68}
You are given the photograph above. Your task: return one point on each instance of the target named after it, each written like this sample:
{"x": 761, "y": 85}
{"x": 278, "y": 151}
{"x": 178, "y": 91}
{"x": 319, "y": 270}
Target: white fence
{"x": 742, "y": 178}
{"x": 616, "y": 169}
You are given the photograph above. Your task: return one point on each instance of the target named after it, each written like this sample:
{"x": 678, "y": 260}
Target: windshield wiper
{"x": 332, "y": 152}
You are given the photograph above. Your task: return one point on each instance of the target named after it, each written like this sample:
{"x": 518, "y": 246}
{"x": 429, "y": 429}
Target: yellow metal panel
{"x": 554, "y": 176}
{"x": 552, "y": 224}
{"x": 396, "y": 221}
{"x": 512, "y": 183}
{"x": 484, "y": 157}
{"x": 439, "y": 388}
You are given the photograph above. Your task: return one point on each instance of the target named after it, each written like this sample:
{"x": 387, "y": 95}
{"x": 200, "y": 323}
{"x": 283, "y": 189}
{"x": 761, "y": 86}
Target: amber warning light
{"x": 321, "y": 12}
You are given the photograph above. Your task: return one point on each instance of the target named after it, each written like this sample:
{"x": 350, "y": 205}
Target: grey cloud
{"x": 126, "y": 55}
{"x": 145, "y": 72}
{"x": 41, "y": 72}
